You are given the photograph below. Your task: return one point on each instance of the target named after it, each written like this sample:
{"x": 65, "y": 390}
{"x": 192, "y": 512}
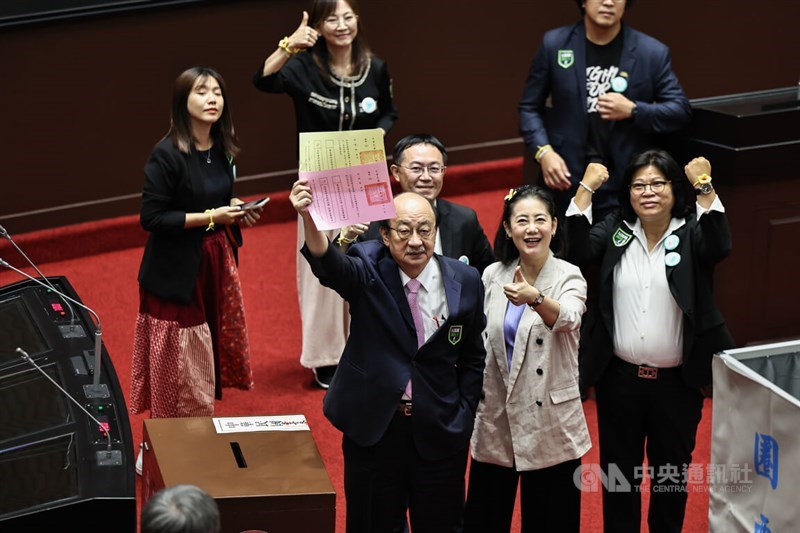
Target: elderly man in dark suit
{"x": 419, "y": 165}
{"x": 410, "y": 377}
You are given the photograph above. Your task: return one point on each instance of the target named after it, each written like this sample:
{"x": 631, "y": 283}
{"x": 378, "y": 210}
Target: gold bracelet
{"x": 344, "y": 240}
{"x": 283, "y": 44}
{"x": 210, "y": 213}
{"x": 541, "y": 151}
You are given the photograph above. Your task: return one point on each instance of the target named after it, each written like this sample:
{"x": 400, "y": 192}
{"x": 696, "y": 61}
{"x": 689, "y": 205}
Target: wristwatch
{"x": 703, "y": 185}
{"x": 539, "y": 299}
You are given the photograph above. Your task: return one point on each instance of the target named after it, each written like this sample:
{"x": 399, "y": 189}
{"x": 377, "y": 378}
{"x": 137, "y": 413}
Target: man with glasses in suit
{"x": 407, "y": 386}
{"x": 419, "y": 165}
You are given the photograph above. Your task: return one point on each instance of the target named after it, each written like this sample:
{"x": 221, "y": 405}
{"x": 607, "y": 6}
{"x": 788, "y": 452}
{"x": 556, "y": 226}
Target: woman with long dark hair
{"x": 191, "y": 338}
{"x": 336, "y": 83}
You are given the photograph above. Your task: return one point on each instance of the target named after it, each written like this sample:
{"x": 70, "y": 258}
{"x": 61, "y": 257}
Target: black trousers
{"x": 550, "y": 500}
{"x": 659, "y": 416}
{"x": 383, "y": 481}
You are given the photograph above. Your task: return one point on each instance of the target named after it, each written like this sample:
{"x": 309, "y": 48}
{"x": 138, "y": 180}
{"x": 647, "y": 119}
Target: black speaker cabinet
{"x": 59, "y": 468}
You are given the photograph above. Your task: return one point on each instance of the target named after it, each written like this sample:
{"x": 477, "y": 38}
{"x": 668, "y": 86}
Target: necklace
{"x": 208, "y": 155}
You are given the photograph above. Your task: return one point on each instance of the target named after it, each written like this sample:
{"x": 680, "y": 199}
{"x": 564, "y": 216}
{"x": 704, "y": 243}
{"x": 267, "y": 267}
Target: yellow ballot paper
{"x": 347, "y": 173}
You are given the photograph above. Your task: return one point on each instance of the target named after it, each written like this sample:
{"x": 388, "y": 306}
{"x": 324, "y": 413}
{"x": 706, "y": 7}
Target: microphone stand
{"x": 104, "y": 458}
{"x": 96, "y": 389}
{"x": 4, "y": 233}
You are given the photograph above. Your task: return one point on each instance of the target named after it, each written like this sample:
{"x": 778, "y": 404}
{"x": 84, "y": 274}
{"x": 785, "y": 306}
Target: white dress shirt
{"x": 437, "y": 245}
{"x": 648, "y": 324}
{"x": 432, "y": 299}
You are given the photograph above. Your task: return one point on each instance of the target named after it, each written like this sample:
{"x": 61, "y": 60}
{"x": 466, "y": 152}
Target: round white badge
{"x": 619, "y": 84}
{"x": 369, "y": 105}
{"x": 671, "y": 242}
{"x": 672, "y": 259}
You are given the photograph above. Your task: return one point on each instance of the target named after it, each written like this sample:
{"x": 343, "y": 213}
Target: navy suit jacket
{"x": 662, "y": 106}
{"x": 381, "y": 352}
{"x": 461, "y": 233}
{"x": 702, "y": 244}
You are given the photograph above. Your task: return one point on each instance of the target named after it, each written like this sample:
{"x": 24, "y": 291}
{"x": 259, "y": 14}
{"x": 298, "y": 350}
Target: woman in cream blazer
{"x": 530, "y": 425}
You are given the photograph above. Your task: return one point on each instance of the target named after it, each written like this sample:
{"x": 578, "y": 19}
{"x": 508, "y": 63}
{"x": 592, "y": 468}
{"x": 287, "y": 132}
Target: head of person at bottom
{"x": 654, "y": 189}
{"x": 181, "y": 509}
{"x": 420, "y": 161}
{"x": 411, "y": 235}
{"x": 528, "y": 227}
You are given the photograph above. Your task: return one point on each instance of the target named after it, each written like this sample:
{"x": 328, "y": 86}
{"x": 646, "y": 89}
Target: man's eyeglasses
{"x": 656, "y": 186}
{"x": 417, "y": 170}
{"x": 404, "y": 233}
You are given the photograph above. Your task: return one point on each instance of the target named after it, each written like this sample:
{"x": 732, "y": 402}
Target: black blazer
{"x": 702, "y": 245}
{"x": 381, "y": 353}
{"x": 553, "y": 106}
{"x": 172, "y": 254}
{"x": 461, "y": 233}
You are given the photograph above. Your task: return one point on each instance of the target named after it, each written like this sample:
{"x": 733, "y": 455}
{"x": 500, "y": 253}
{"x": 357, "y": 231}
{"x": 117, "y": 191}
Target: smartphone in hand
{"x": 261, "y": 202}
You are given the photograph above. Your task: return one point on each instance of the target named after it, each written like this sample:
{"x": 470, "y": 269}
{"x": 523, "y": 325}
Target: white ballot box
{"x": 755, "y": 440}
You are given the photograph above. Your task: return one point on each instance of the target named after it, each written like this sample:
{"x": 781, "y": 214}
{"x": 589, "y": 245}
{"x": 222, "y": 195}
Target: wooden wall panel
{"x": 778, "y": 306}
{"x": 86, "y": 99}
{"x": 758, "y": 286}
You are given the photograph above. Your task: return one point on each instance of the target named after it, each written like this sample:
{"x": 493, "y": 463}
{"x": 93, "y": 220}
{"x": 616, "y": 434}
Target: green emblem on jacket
{"x": 454, "y": 335}
{"x": 566, "y": 58}
{"x": 621, "y": 237}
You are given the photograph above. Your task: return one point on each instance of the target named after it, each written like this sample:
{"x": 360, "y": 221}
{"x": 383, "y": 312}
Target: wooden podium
{"x": 273, "y": 481}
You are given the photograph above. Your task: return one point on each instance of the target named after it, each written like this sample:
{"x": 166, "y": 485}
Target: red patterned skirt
{"x": 183, "y": 354}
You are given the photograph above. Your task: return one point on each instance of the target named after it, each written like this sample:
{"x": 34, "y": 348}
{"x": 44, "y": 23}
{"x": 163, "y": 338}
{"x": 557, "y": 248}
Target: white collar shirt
{"x": 437, "y": 245}
{"x": 648, "y": 324}
{"x": 432, "y": 298}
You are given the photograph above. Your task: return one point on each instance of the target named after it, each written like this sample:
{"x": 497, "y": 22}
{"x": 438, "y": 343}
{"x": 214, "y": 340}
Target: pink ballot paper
{"x": 347, "y": 173}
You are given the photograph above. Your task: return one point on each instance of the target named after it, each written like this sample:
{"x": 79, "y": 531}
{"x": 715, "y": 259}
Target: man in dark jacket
{"x": 408, "y": 384}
